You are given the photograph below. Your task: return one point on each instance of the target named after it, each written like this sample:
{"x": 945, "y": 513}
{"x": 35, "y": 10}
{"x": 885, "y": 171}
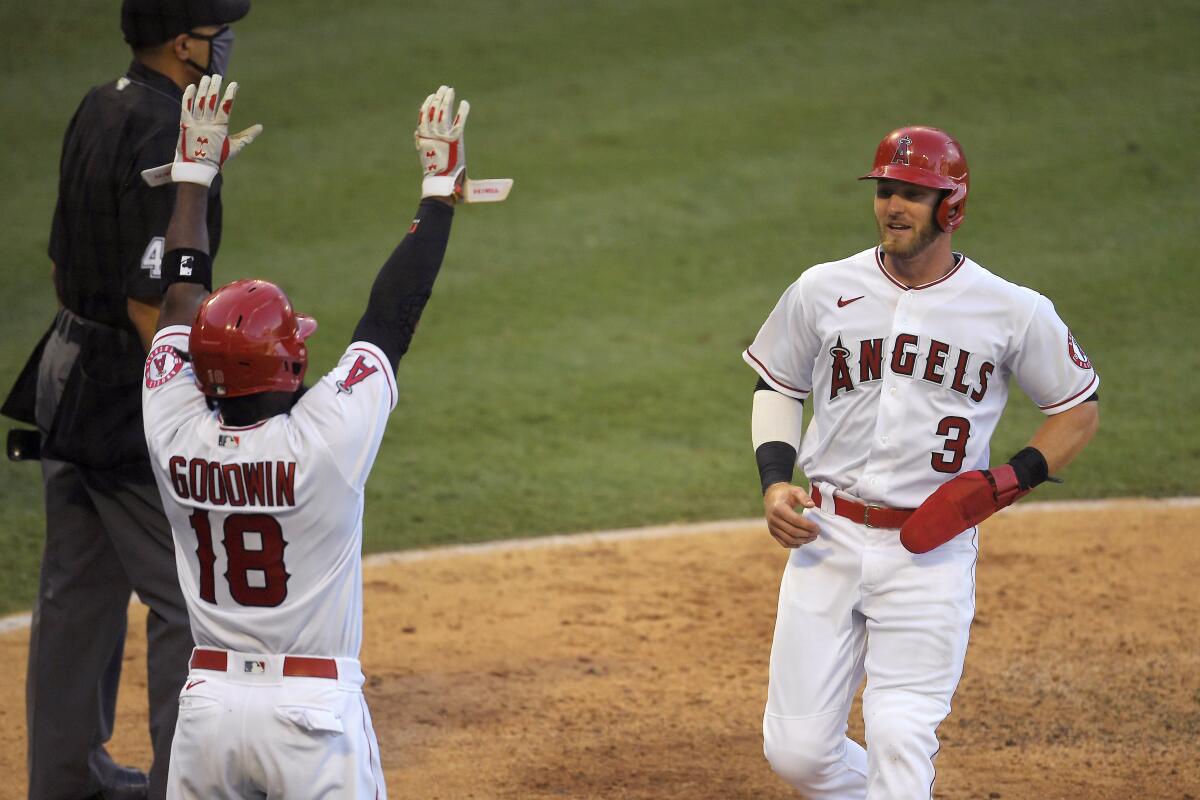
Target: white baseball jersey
{"x": 267, "y": 518}
{"x": 908, "y": 384}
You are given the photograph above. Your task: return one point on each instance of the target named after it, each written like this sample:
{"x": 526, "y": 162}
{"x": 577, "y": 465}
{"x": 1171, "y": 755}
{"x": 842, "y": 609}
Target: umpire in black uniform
{"x": 105, "y": 531}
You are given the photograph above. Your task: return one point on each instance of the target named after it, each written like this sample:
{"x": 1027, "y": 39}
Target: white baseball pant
{"x": 854, "y": 602}
{"x": 257, "y": 730}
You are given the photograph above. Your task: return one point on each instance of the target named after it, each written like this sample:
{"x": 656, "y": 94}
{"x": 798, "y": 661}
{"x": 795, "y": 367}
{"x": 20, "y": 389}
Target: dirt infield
{"x": 637, "y": 668}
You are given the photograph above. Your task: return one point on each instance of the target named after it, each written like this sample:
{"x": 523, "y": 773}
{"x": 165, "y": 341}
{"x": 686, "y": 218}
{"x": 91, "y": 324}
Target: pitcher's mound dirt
{"x": 637, "y": 668}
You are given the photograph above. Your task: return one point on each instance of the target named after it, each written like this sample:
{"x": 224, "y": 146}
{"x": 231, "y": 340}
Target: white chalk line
{"x": 16, "y": 622}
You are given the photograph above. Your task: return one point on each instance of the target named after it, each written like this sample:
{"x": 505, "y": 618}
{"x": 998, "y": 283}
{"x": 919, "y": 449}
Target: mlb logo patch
{"x": 254, "y": 667}
{"x": 229, "y": 440}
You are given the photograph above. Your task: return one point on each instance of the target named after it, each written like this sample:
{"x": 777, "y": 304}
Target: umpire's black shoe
{"x": 133, "y": 789}
{"x": 117, "y": 782}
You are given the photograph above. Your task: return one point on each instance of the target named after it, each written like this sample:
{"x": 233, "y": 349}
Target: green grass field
{"x": 677, "y": 164}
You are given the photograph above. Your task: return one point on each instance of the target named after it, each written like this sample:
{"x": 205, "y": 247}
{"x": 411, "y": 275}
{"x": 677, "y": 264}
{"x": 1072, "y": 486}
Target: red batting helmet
{"x": 926, "y": 157}
{"x": 247, "y": 339}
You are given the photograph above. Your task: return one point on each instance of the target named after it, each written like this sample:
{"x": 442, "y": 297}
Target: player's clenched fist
{"x": 789, "y": 527}
{"x": 439, "y": 139}
{"x": 204, "y": 141}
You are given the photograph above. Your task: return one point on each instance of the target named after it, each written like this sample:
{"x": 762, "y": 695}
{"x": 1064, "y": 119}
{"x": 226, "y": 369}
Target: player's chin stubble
{"x": 917, "y": 244}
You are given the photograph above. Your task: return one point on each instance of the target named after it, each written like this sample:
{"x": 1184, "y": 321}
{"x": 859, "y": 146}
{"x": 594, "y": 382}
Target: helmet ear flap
{"x": 950, "y": 210}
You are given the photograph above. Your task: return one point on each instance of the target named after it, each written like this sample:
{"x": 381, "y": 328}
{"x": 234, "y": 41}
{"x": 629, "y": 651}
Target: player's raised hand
{"x": 439, "y": 140}
{"x": 789, "y": 527}
{"x": 204, "y": 143}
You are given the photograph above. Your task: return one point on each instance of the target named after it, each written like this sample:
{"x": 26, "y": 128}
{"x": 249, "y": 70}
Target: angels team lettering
{"x": 937, "y": 362}
{"x": 258, "y": 483}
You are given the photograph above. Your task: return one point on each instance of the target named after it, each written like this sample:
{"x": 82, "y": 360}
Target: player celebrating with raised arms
{"x": 263, "y": 480}
{"x": 906, "y": 350}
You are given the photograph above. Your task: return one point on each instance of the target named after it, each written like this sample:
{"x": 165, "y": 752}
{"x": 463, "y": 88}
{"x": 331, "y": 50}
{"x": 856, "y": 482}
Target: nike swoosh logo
{"x": 193, "y": 683}
{"x": 843, "y": 303}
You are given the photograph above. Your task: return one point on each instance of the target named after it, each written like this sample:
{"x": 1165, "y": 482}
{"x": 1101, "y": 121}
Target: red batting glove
{"x": 960, "y": 503}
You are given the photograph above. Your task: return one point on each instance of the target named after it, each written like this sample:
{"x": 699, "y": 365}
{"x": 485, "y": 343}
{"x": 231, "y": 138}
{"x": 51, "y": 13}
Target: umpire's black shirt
{"x": 106, "y": 243}
{"x": 107, "y": 237}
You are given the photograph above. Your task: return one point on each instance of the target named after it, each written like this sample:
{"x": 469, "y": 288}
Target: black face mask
{"x": 220, "y": 49}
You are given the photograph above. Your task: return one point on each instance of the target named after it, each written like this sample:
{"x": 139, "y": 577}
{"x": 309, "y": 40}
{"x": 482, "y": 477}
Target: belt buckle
{"x": 867, "y": 515}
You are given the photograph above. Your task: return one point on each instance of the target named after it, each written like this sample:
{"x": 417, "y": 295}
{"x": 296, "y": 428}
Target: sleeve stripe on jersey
{"x": 170, "y": 330}
{"x": 1087, "y": 388}
{"x": 377, "y": 354}
{"x": 772, "y": 377}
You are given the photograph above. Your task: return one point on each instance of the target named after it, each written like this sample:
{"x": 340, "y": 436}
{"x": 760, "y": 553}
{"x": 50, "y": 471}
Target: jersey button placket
{"x": 889, "y": 415}
{"x": 894, "y": 415}
{"x": 902, "y": 317}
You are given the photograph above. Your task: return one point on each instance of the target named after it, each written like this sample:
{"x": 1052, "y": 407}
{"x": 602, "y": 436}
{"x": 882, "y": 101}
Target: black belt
{"x": 76, "y": 329}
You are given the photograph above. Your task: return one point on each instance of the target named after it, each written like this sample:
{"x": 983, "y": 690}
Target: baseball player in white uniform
{"x": 263, "y": 484}
{"x": 906, "y": 350}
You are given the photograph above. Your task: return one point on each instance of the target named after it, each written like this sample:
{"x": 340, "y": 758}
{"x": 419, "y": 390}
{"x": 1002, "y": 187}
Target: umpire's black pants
{"x": 106, "y": 536}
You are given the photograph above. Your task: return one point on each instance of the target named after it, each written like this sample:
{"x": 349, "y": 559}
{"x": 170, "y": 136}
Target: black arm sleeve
{"x": 405, "y": 282}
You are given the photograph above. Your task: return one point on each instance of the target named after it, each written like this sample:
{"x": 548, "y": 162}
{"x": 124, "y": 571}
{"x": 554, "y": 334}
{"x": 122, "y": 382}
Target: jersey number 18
{"x": 264, "y": 562}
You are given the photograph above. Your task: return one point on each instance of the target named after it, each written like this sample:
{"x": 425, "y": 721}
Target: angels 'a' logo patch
{"x": 1076, "y": 353}
{"x": 163, "y": 363}
{"x": 902, "y": 155}
{"x": 360, "y": 371}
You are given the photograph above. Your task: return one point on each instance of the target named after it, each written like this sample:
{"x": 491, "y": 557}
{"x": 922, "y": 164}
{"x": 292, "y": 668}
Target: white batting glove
{"x": 204, "y": 142}
{"x": 439, "y": 139}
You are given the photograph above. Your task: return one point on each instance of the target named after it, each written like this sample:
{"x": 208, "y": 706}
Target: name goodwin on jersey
{"x": 257, "y": 483}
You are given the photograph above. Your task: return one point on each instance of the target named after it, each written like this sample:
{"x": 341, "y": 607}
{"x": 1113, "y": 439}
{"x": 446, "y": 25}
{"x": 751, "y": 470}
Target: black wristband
{"x": 776, "y": 460}
{"x": 185, "y": 265}
{"x": 1031, "y": 467}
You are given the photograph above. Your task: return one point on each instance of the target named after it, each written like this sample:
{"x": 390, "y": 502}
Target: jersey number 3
{"x": 956, "y": 430}
{"x": 256, "y": 576}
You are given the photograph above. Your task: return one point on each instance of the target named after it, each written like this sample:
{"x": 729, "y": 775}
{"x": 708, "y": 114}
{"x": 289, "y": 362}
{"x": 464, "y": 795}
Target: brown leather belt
{"x": 868, "y": 514}
{"x": 293, "y": 666}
